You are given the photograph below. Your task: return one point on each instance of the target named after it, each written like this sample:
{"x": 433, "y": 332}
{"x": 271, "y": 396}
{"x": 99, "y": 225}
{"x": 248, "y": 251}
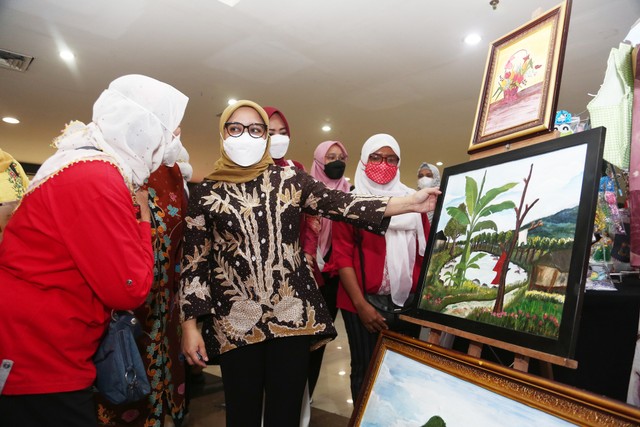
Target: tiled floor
{"x": 331, "y": 405}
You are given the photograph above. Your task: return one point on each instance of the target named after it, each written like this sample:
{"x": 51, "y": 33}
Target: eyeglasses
{"x": 333, "y": 157}
{"x": 391, "y": 159}
{"x": 235, "y": 129}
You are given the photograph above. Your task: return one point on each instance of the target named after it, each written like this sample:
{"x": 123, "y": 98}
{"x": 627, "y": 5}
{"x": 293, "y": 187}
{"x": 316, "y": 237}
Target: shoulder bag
{"x": 120, "y": 373}
{"x": 382, "y": 303}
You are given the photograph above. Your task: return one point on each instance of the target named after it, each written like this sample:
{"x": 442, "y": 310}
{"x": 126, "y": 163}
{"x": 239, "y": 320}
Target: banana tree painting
{"x": 473, "y": 214}
{"x": 518, "y": 229}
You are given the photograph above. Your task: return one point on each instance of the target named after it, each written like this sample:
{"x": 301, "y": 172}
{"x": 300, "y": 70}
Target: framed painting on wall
{"x": 509, "y": 244}
{"x": 522, "y": 80}
{"x": 413, "y": 383}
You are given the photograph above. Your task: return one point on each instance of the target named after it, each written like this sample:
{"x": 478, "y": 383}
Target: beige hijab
{"x": 225, "y": 169}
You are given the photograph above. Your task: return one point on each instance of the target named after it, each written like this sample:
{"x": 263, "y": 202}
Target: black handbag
{"x": 120, "y": 373}
{"x": 383, "y": 303}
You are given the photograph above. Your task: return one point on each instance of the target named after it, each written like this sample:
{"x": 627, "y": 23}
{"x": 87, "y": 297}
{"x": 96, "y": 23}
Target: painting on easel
{"x": 510, "y": 241}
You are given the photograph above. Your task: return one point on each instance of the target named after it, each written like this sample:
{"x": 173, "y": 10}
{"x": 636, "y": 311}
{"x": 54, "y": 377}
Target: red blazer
{"x": 72, "y": 251}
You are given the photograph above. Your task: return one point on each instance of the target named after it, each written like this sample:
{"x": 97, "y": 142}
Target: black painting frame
{"x": 564, "y": 344}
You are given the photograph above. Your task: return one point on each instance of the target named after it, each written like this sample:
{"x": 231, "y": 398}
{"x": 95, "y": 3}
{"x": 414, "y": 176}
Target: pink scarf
{"x": 317, "y": 171}
{"x": 270, "y": 112}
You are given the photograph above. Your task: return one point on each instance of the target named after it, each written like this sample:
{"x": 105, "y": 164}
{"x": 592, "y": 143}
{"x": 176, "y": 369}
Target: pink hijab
{"x": 270, "y": 112}
{"x": 317, "y": 171}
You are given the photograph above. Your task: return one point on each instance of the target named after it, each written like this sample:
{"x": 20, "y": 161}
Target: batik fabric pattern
{"x": 244, "y": 273}
{"x": 160, "y": 344}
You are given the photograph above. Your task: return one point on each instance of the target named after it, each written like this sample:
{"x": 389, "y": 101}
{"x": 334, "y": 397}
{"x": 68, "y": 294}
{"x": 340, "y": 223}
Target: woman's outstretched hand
{"x": 421, "y": 201}
{"x": 425, "y": 200}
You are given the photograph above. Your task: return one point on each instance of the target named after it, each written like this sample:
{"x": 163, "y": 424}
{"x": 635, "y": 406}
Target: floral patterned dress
{"x": 244, "y": 272}
{"x": 160, "y": 343}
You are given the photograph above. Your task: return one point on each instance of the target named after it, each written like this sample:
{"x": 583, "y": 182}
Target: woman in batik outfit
{"x": 245, "y": 274}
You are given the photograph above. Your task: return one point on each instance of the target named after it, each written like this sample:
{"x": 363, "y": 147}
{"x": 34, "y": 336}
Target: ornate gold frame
{"x": 565, "y": 403}
{"x": 501, "y": 122}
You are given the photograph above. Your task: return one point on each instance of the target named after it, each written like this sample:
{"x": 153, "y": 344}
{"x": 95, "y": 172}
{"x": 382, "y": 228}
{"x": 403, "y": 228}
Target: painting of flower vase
{"x": 522, "y": 81}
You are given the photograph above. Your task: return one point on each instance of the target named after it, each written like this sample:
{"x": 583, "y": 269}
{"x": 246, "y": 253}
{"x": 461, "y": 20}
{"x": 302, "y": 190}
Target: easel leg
{"x": 521, "y": 363}
{"x": 475, "y": 349}
{"x": 434, "y": 336}
{"x": 546, "y": 369}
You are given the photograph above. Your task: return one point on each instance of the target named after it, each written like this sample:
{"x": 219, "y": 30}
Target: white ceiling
{"x": 363, "y": 66}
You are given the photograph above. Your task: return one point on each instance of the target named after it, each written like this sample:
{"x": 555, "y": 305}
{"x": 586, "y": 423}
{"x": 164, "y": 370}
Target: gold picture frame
{"x": 522, "y": 81}
{"x": 411, "y": 382}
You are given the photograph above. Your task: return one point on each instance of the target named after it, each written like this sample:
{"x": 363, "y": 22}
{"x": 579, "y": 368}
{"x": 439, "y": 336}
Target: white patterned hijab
{"x": 133, "y": 124}
{"x": 404, "y": 230}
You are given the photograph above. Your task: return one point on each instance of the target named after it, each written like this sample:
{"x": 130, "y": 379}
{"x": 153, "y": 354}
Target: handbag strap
{"x": 357, "y": 238}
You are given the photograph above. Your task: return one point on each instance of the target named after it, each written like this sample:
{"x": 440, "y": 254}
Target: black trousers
{"x": 330, "y": 293}
{"x": 362, "y": 343}
{"x": 68, "y": 409}
{"x": 276, "y": 370}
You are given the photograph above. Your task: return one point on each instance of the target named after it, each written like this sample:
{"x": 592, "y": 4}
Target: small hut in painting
{"x": 550, "y": 272}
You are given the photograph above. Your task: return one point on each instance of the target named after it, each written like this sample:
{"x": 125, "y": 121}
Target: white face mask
{"x": 245, "y": 150}
{"x": 425, "y": 182}
{"x": 279, "y": 146}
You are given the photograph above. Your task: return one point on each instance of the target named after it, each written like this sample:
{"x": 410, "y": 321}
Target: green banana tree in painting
{"x": 473, "y": 215}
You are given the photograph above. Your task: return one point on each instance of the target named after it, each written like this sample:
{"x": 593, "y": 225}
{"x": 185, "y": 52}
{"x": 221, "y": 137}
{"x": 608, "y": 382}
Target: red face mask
{"x": 381, "y": 173}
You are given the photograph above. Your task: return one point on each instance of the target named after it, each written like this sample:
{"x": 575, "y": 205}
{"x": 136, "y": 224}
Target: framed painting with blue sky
{"x": 413, "y": 383}
{"x": 510, "y": 242}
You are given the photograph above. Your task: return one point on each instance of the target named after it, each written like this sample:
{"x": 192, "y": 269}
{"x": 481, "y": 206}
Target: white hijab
{"x": 403, "y": 229}
{"x": 133, "y": 124}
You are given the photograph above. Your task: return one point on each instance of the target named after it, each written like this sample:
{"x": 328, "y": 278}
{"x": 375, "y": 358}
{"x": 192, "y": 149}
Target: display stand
{"x": 521, "y": 354}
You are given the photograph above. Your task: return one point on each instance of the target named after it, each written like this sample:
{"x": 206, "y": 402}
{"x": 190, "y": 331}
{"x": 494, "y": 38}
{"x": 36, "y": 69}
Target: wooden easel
{"x": 522, "y": 355}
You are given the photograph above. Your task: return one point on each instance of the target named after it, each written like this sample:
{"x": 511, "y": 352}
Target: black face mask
{"x": 335, "y": 169}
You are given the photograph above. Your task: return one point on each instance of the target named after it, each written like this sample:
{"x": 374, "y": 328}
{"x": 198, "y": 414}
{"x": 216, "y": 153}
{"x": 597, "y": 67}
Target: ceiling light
{"x": 11, "y": 120}
{"x": 472, "y": 39}
{"x": 326, "y": 128}
{"x": 494, "y": 4}
{"x": 232, "y": 101}
{"x": 349, "y": 400}
{"x": 439, "y": 163}
{"x": 67, "y": 55}
{"x": 342, "y": 373}
{"x": 230, "y": 3}
{"x": 340, "y": 347}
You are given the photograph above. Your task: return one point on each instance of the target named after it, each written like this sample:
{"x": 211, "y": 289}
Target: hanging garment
{"x": 611, "y": 107}
{"x": 634, "y": 171}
